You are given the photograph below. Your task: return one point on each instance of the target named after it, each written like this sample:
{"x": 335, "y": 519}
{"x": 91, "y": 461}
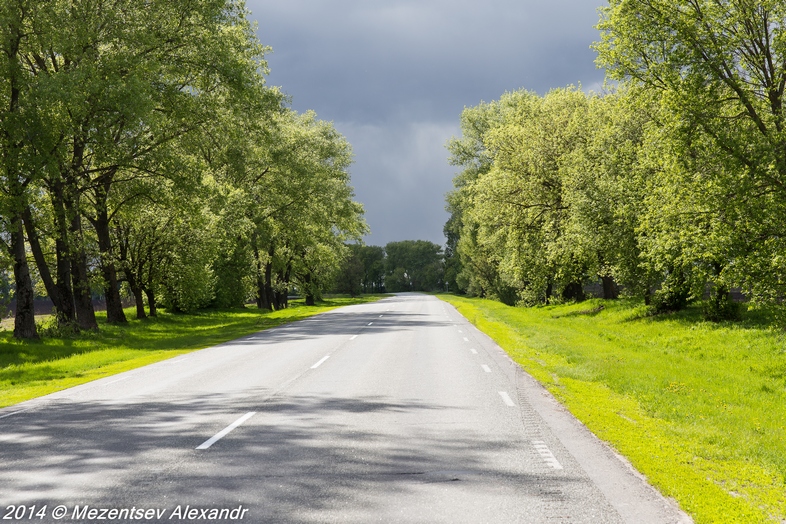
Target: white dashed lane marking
{"x": 224, "y": 432}
{"x": 486, "y": 368}
{"x": 506, "y": 399}
{"x": 315, "y": 366}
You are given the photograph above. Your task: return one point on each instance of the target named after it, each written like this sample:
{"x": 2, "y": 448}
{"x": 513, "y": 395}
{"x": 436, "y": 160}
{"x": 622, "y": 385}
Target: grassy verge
{"x": 699, "y": 408}
{"x": 32, "y": 369}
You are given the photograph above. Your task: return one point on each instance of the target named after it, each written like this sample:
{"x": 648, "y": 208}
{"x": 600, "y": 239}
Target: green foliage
{"x": 720, "y": 306}
{"x": 413, "y": 265}
{"x": 350, "y": 275}
{"x": 141, "y": 145}
{"x": 674, "y": 293}
{"x": 716, "y": 71}
{"x": 549, "y": 197}
{"x": 693, "y": 405}
{"x": 373, "y": 259}
{"x": 674, "y": 181}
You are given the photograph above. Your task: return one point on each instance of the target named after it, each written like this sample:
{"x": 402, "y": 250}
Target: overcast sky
{"x": 394, "y": 75}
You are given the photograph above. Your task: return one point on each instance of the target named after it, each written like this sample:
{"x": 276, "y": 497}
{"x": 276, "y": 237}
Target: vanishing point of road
{"x": 393, "y": 411}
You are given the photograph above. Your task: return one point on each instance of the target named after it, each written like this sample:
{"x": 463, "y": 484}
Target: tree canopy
{"x": 143, "y": 154}
{"x": 671, "y": 184}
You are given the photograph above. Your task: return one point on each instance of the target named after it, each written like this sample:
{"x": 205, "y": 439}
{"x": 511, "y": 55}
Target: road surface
{"x": 395, "y": 411}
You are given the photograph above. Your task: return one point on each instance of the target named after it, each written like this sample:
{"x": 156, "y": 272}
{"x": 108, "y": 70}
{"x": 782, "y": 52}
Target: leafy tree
{"x": 20, "y": 132}
{"x": 718, "y": 69}
{"x": 477, "y": 271}
{"x": 413, "y": 265}
{"x": 349, "y": 278}
{"x": 551, "y": 196}
{"x": 373, "y": 260}
{"x": 607, "y": 183}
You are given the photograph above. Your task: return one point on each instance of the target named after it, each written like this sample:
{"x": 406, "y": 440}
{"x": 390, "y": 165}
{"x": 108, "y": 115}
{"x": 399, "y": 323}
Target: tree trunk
{"x": 261, "y": 281}
{"x": 83, "y": 299}
{"x": 283, "y": 296}
{"x": 268, "y": 295}
{"x": 140, "y": 303}
{"x": 114, "y": 305}
{"x": 24, "y": 321}
{"x": 139, "y": 300}
{"x": 62, "y": 254}
{"x": 62, "y": 310}
{"x": 151, "y": 302}
{"x": 310, "y": 300}
{"x": 610, "y": 289}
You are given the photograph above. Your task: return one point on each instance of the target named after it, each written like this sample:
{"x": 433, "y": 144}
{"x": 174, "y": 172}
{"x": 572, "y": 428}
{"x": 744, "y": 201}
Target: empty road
{"x": 395, "y": 411}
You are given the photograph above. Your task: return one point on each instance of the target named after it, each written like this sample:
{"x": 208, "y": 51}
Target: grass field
{"x": 698, "y": 408}
{"x": 32, "y": 369}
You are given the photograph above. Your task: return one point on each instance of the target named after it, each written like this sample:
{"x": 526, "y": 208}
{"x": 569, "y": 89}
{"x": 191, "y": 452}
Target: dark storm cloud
{"x": 395, "y": 75}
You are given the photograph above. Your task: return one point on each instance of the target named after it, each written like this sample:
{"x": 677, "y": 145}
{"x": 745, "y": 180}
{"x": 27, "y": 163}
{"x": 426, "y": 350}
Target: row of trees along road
{"x": 140, "y": 144}
{"x": 673, "y": 182}
{"x": 409, "y": 265}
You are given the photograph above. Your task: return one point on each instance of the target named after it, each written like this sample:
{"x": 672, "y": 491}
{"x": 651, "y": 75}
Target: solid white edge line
{"x": 224, "y": 432}
{"x": 506, "y": 398}
{"x": 321, "y": 361}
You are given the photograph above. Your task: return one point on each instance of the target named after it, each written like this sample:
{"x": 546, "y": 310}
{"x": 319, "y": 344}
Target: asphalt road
{"x": 395, "y": 411}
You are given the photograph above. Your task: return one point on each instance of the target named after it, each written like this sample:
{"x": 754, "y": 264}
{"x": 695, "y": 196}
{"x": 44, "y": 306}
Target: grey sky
{"x": 394, "y": 76}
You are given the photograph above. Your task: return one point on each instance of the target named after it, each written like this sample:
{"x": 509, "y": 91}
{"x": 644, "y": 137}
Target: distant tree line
{"x": 140, "y": 149}
{"x": 672, "y": 185}
{"x": 409, "y": 265}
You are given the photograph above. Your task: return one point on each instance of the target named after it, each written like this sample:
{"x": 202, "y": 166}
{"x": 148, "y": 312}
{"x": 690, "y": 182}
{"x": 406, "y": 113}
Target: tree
{"x": 477, "y": 271}
{"x": 349, "y": 278}
{"x": 123, "y": 89}
{"x": 413, "y": 265}
{"x": 373, "y": 260}
{"x": 719, "y": 69}
{"x": 607, "y": 184}
{"x": 19, "y": 124}
{"x": 291, "y": 176}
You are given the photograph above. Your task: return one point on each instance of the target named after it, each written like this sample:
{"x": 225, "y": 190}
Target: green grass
{"x": 32, "y": 369}
{"x": 698, "y": 408}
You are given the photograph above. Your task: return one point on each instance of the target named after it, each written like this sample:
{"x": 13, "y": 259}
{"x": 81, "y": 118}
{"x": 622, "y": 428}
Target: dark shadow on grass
{"x": 753, "y": 318}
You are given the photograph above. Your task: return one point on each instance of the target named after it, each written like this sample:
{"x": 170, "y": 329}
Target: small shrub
{"x": 51, "y": 328}
{"x": 673, "y": 295}
{"x": 721, "y": 307}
